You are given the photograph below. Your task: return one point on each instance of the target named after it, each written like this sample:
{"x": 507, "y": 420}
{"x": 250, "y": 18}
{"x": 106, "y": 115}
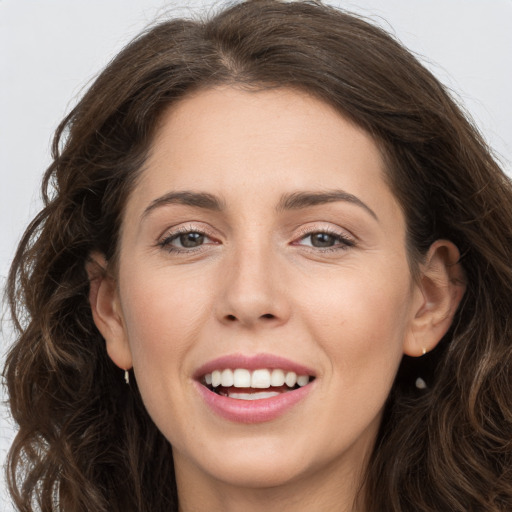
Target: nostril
{"x": 233, "y": 318}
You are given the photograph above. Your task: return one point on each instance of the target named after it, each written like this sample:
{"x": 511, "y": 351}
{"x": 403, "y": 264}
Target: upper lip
{"x": 252, "y": 362}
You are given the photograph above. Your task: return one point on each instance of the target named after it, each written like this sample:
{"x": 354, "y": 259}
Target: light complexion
{"x": 262, "y": 236}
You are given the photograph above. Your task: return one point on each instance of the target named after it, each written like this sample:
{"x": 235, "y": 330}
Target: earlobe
{"x": 106, "y": 311}
{"x": 438, "y": 294}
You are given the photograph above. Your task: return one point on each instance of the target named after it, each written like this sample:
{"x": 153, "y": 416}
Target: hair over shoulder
{"x": 85, "y": 441}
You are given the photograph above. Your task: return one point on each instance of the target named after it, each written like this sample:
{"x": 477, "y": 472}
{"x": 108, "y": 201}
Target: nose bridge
{"x": 250, "y": 289}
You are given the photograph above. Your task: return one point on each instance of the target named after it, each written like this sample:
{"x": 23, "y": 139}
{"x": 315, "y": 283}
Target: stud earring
{"x": 424, "y": 351}
{"x": 126, "y": 377}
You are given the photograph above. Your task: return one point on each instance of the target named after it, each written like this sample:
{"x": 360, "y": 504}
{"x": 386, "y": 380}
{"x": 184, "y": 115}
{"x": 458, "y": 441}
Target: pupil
{"x": 191, "y": 239}
{"x": 322, "y": 240}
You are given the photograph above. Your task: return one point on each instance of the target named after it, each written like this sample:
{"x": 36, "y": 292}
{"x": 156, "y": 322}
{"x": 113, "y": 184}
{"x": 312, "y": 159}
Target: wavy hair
{"x": 85, "y": 441}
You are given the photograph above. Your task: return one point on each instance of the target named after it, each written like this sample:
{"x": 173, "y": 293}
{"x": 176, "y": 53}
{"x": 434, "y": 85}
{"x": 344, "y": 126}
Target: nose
{"x": 253, "y": 291}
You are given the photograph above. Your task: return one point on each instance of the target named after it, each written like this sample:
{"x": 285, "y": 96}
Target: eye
{"x": 189, "y": 240}
{"x": 321, "y": 239}
{"x": 325, "y": 240}
{"x": 185, "y": 240}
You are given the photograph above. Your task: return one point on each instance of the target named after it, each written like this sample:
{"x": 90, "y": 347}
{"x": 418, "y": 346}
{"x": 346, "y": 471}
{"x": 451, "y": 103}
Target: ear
{"x": 106, "y": 311}
{"x": 438, "y": 293}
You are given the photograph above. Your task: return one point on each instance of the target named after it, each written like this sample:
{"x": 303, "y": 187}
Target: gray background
{"x": 50, "y": 50}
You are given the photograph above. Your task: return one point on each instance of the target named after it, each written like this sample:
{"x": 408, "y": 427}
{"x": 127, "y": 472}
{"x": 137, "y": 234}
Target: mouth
{"x": 258, "y": 384}
{"x": 253, "y": 388}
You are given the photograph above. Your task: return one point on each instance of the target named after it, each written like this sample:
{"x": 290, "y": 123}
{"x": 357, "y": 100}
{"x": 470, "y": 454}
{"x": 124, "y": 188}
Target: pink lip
{"x": 252, "y": 411}
{"x": 254, "y": 362}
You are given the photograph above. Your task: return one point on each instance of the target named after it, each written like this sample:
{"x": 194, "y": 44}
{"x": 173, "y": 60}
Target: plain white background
{"x": 50, "y": 50}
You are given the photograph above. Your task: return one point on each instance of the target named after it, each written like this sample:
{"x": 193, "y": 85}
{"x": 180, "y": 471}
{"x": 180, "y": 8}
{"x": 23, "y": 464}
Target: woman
{"x": 272, "y": 273}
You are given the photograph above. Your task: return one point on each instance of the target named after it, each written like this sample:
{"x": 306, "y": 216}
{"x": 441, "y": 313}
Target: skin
{"x": 258, "y": 284}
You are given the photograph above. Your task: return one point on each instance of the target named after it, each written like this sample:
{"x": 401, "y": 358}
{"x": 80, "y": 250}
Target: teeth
{"x": 291, "y": 379}
{"x": 277, "y": 378}
{"x": 253, "y": 396}
{"x": 216, "y": 378}
{"x": 242, "y": 378}
{"x": 258, "y": 379}
{"x": 302, "y": 380}
{"x": 227, "y": 378}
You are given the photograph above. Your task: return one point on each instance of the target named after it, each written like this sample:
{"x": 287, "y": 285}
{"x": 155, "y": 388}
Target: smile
{"x": 241, "y": 383}
{"x": 253, "y": 389}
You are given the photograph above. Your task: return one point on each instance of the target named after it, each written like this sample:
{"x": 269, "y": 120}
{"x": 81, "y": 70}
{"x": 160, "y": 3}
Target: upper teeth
{"x": 261, "y": 379}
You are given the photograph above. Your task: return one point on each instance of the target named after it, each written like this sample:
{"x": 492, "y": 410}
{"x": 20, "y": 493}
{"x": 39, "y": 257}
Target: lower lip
{"x": 253, "y": 411}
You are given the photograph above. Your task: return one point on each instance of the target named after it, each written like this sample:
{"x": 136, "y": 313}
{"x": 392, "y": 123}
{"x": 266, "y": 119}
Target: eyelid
{"x": 338, "y": 232}
{"x": 186, "y": 227}
{"x": 173, "y": 232}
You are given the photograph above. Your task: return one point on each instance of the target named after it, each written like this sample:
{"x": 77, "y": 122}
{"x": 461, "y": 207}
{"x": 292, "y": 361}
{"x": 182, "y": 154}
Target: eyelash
{"x": 165, "y": 243}
{"x": 343, "y": 242}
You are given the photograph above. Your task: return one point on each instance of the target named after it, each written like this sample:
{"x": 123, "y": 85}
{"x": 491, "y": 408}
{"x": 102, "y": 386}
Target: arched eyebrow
{"x": 298, "y": 200}
{"x": 187, "y": 198}
{"x": 291, "y": 201}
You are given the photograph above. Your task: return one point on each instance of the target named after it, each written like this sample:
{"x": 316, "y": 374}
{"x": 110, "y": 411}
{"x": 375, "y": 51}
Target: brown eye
{"x": 181, "y": 241}
{"x": 325, "y": 240}
{"x": 191, "y": 240}
{"x": 322, "y": 239}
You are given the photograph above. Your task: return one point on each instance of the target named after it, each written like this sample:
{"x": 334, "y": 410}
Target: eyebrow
{"x": 187, "y": 198}
{"x": 298, "y": 200}
{"x": 292, "y": 201}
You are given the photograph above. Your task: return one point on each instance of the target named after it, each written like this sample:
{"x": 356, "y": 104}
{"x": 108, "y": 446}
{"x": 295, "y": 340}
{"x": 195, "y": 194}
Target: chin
{"x": 253, "y": 463}
{"x": 258, "y": 474}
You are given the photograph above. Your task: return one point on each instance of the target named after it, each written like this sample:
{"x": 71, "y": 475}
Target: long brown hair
{"x": 85, "y": 440}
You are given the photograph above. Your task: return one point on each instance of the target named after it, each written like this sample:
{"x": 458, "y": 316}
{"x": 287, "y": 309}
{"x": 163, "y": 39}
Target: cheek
{"x": 163, "y": 314}
{"x": 361, "y": 324}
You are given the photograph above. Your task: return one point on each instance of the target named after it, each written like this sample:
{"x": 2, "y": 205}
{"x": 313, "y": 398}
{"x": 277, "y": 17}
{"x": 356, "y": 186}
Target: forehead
{"x": 229, "y": 141}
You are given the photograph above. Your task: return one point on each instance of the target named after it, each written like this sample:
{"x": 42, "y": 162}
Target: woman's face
{"x": 262, "y": 236}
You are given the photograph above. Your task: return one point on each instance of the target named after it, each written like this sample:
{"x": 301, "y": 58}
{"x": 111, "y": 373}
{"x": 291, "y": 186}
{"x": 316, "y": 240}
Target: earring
{"x": 126, "y": 377}
{"x": 420, "y": 383}
{"x": 424, "y": 351}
